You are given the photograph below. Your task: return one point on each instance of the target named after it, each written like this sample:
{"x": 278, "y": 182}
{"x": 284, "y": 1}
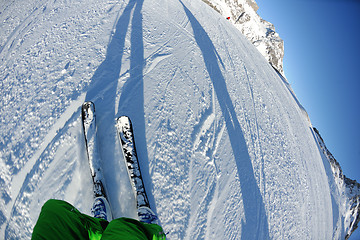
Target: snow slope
{"x": 225, "y": 148}
{"x": 243, "y": 14}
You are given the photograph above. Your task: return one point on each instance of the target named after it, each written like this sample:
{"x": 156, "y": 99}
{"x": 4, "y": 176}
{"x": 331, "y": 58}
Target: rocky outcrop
{"x": 243, "y": 14}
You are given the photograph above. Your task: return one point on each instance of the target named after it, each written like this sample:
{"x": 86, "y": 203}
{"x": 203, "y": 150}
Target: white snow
{"x": 225, "y": 149}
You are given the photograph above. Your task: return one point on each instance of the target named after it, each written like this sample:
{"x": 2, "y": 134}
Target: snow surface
{"x": 225, "y": 148}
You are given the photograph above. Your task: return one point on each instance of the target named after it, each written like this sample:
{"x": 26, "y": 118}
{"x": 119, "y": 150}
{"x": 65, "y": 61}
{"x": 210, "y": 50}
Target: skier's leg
{"x": 131, "y": 229}
{"x": 60, "y": 220}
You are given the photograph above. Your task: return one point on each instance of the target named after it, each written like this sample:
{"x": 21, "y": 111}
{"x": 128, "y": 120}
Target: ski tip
{"x": 123, "y": 117}
{"x": 88, "y": 111}
{"x": 122, "y": 123}
{"x": 88, "y": 104}
{"x": 123, "y": 120}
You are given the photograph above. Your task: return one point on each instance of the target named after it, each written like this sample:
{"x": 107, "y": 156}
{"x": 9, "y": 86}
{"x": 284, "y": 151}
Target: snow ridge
{"x": 261, "y": 33}
{"x": 349, "y": 205}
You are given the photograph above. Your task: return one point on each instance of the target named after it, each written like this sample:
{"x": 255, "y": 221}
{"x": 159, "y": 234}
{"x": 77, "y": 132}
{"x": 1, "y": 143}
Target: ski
{"x": 101, "y": 208}
{"x": 127, "y": 141}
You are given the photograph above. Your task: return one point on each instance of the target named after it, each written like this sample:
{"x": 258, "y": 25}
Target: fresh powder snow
{"x": 226, "y": 150}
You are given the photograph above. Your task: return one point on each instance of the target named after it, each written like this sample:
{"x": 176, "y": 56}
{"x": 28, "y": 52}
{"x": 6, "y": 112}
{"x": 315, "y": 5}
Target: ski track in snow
{"x": 224, "y": 145}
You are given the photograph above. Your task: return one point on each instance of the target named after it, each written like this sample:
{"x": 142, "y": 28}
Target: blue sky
{"x": 322, "y": 51}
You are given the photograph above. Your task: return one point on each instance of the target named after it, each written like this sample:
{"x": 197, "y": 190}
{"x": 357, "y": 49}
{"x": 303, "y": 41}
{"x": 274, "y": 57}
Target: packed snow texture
{"x": 226, "y": 151}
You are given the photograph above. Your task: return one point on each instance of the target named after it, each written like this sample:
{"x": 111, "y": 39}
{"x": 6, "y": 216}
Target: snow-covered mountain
{"x": 345, "y": 193}
{"x": 226, "y": 149}
{"x": 243, "y": 14}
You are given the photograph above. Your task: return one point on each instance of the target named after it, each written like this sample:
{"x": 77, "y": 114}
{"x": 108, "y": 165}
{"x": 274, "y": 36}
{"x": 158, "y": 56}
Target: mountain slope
{"x": 345, "y": 195}
{"x": 243, "y": 14}
{"x": 225, "y": 149}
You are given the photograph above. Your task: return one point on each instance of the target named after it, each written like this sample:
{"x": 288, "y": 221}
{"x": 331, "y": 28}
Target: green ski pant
{"x": 60, "y": 220}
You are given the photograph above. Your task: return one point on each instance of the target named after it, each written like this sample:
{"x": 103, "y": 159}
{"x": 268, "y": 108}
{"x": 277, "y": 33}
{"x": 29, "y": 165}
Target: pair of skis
{"x": 127, "y": 143}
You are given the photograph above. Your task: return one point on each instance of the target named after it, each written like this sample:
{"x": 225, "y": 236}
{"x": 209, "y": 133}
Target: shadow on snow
{"x": 103, "y": 88}
{"x": 255, "y": 225}
{"x": 102, "y": 91}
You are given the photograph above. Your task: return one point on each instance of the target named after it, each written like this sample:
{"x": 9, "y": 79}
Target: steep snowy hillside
{"x": 225, "y": 148}
{"x": 243, "y": 14}
{"x": 345, "y": 194}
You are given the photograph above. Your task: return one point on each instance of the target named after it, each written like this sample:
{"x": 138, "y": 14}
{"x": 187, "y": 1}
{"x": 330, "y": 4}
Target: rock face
{"x": 242, "y": 13}
{"x": 345, "y": 195}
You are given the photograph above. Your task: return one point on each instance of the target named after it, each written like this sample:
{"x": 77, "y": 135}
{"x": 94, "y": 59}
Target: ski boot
{"x": 146, "y": 215}
{"x": 101, "y": 209}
